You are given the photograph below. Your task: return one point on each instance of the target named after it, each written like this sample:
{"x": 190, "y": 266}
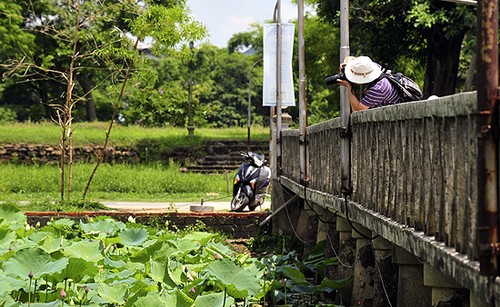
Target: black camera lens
{"x": 333, "y": 79}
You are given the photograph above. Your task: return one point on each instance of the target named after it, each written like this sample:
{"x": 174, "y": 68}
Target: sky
{"x": 223, "y": 18}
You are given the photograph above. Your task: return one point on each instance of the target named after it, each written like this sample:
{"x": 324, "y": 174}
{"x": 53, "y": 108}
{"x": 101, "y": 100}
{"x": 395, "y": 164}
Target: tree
{"x": 427, "y": 31}
{"x": 74, "y": 33}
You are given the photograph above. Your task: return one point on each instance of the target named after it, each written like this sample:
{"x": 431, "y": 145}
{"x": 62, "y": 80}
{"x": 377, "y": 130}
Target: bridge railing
{"x": 414, "y": 163}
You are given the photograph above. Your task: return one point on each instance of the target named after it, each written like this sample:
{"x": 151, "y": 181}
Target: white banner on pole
{"x": 269, "y": 87}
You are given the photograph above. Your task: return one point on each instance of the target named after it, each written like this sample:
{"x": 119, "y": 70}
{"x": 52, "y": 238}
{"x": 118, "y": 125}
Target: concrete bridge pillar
{"x": 411, "y": 288}
{"x": 363, "y": 291}
{"x": 445, "y": 290}
{"x": 346, "y": 253}
{"x": 386, "y": 285}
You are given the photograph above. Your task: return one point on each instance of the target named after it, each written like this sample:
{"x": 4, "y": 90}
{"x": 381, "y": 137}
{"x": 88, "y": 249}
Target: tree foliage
{"x": 430, "y": 32}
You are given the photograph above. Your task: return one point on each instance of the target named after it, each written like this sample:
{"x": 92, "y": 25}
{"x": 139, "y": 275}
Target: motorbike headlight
{"x": 236, "y": 179}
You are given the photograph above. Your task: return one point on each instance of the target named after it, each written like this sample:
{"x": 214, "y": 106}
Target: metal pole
{"x": 190, "y": 126}
{"x": 278, "y": 87}
{"x": 249, "y": 124}
{"x": 302, "y": 97}
{"x": 487, "y": 124}
{"x": 345, "y": 107}
{"x": 270, "y": 216}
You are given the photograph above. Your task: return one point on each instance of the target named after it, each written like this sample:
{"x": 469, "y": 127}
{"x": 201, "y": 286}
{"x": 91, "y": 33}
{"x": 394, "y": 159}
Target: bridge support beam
{"x": 363, "y": 291}
{"x": 411, "y": 289}
{"x": 307, "y": 227}
{"x": 346, "y": 253}
{"x": 386, "y": 285}
{"x": 445, "y": 290}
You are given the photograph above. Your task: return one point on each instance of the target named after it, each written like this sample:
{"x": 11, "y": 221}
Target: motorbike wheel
{"x": 239, "y": 202}
{"x": 256, "y": 204}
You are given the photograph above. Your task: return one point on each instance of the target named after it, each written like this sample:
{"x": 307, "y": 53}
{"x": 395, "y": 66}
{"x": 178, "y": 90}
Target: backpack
{"x": 407, "y": 88}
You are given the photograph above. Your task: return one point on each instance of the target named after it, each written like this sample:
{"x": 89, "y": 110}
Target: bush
{"x": 7, "y": 115}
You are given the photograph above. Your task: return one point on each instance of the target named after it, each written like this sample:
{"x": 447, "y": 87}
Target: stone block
{"x": 434, "y": 278}
{"x": 402, "y": 256}
{"x": 343, "y": 225}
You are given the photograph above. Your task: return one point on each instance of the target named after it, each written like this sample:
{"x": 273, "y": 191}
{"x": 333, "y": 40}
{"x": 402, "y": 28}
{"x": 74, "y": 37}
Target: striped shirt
{"x": 381, "y": 94}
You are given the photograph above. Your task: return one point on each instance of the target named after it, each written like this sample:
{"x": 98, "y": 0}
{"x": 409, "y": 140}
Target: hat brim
{"x": 362, "y": 79}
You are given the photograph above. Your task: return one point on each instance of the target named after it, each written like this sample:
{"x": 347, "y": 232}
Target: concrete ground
{"x": 207, "y": 206}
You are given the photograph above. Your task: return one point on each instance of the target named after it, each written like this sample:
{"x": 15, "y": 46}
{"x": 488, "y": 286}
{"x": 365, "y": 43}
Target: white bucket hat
{"x": 362, "y": 70}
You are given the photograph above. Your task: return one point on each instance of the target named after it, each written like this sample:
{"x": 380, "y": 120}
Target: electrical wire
{"x": 352, "y": 224}
{"x": 381, "y": 279}
{"x": 337, "y": 255}
{"x": 293, "y": 229}
{"x": 315, "y": 212}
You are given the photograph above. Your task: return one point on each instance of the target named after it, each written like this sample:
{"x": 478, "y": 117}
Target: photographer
{"x": 378, "y": 92}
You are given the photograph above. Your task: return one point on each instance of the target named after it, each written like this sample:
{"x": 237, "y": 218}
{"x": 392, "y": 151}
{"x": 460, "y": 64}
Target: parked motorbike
{"x": 250, "y": 183}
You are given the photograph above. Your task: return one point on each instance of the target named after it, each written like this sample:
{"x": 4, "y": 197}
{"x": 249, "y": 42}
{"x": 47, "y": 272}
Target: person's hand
{"x": 345, "y": 83}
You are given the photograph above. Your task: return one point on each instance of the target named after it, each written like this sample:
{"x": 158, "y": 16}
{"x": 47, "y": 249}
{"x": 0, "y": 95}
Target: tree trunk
{"x": 85, "y": 81}
{"x": 442, "y": 62}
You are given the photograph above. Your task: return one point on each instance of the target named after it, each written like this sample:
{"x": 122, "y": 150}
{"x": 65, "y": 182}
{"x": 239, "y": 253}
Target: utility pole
{"x": 345, "y": 107}
{"x": 190, "y": 126}
{"x": 249, "y": 123}
{"x": 277, "y": 20}
{"x": 302, "y": 97}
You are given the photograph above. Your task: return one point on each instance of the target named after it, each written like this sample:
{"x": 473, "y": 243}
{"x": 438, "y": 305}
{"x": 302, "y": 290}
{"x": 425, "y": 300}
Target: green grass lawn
{"x": 115, "y": 182}
{"x": 156, "y": 183}
{"x": 95, "y": 133}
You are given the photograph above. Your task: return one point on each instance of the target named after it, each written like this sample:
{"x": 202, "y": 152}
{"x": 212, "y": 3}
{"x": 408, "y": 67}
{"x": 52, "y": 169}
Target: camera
{"x": 340, "y": 76}
{"x": 333, "y": 79}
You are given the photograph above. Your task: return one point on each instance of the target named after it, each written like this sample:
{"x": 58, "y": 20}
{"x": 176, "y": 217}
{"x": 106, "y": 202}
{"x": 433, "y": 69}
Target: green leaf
{"x": 104, "y": 227}
{"x": 150, "y": 300}
{"x": 185, "y": 246}
{"x": 183, "y": 300}
{"x": 201, "y": 237}
{"x": 160, "y": 272}
{"x": 295, "y": 275}
{"x": 336, "y": 284}
{"x": 115, "y": 294}
{"x": 240, "y": 283}
{"x": 89, "y": 251}
{"x": 36, "y": 261}
{"x": 212, "y": 300}
{"x": 10, "y": 214}
{"x": 6, "y": 238}
{"x": 134, "y": 236}
{"x": 9, "y": 284}
{"x": 77, "y": 269}
{"x": 51, "y": 244}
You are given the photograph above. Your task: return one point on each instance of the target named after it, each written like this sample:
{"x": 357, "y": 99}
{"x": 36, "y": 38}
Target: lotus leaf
{"x": 239, "y": 282}
{"x": 10, "y": 214}
{"x": 201, "y": 237}
{"x": 295, "y": 275}
{"x": 185, "y": 247}
{"x": 33, "y": 260}
{"x": 160, "y": 272}
{"x": 77, "y": 269}
{"x": 9, "y": 284}
{"x": 114, "y": 294}
{"x": 89, "y": 251}
{"x": 151, "y": 300}
{"x": 6, "y": 239}
{"x": 103, "y": 228}
{"x": 117, "y": 264}
{"x": 51, "y": 244}
{"x": 336, "y": 284}
{"x": 213, "y": 300}
{"x": 134, "y": 236}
